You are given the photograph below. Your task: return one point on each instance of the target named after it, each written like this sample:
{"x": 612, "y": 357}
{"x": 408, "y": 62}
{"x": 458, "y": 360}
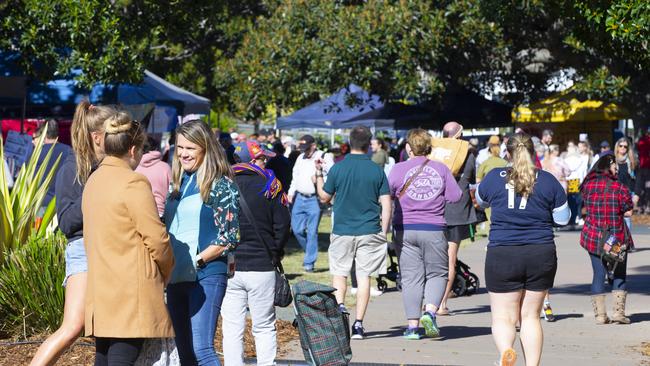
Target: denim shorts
{"x": 75, "y": 259}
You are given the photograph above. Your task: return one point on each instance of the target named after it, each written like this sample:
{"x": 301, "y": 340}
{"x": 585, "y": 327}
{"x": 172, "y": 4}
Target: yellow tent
{"x": 565, "y": 107}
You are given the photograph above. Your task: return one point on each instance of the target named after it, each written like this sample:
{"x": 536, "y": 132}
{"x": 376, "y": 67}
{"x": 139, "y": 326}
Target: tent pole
{"x": 331, "y": 138}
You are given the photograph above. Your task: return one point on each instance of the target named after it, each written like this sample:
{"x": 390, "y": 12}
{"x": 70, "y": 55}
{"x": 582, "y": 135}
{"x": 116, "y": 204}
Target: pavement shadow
{"x": 460, "y": 331}
{"x": 560, "y": 317}
{"x": 397, "y": 331}
{"x": 640, "y": 317}
{"x": 636, "y": 284}
{"x": 476, "y": 310}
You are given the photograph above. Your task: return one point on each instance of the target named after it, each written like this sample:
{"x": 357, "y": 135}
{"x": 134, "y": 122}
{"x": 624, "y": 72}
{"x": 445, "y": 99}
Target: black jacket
{"x": 273, "y": 222}
{"x": 68, "y": 200}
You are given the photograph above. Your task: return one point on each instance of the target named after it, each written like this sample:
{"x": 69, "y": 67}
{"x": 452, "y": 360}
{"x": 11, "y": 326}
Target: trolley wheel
{"x": 382, "y": 285}
{"x": 459, "y": 287}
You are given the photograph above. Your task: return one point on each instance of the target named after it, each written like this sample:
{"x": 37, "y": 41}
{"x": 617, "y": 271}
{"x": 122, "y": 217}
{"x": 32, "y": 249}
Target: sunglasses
{"x": 625, "y": 146}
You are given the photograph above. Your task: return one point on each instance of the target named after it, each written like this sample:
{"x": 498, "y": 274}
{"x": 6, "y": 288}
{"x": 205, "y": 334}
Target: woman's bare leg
{"x": 505, "y": 314}
{"x": 73, "y": 322}
{"x": 531, "y": 335}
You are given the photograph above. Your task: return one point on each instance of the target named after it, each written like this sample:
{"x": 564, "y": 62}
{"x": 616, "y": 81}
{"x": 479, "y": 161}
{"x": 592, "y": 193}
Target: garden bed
{"x": 14, "y": 352}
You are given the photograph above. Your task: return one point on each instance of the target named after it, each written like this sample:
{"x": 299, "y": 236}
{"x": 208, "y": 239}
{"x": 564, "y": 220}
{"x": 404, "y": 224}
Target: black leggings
{"x": 117, "y": 351}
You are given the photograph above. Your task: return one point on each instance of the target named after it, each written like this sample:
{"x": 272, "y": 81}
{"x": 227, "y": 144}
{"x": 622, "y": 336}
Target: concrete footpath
{"x": 573, "y": 339}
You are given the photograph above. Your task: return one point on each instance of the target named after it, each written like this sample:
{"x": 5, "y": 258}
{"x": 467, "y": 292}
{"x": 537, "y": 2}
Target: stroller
{"x": 392, "y": 273}
{"x": 466, "y": 283}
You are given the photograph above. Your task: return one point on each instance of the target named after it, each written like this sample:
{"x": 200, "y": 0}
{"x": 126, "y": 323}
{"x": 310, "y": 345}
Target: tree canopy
{"x": 247, "y": 55}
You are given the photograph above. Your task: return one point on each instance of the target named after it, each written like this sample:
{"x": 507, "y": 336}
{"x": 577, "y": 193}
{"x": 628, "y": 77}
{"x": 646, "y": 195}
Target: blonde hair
{"x": 214, "y": 165}
{"x": 420, "y": 142}
{"x": 87, "y": 119}
{"x": 121, "y": 133}
{"x": 630, "y": 152}
{"x": 495, "y": 150}
{"x": 523, "y": 174}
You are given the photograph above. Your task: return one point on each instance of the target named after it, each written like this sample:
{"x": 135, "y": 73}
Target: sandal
{"x": 443, "y": 312}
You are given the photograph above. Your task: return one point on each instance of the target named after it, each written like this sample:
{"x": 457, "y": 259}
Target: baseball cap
{"x": 604, "y": 144}
{"x": 250, "y": 150}
{"x": 308, "y": 139}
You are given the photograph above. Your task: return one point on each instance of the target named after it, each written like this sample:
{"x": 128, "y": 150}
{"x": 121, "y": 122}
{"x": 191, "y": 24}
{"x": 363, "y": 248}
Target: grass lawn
{"x": 294, "y": 254}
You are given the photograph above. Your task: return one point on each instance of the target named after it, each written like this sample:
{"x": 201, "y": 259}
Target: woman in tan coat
{"x": 129, "y": 256}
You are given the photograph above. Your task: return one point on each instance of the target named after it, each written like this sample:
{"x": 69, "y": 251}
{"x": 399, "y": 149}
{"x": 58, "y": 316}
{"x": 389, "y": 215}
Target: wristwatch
{"x": 200, "y": 263}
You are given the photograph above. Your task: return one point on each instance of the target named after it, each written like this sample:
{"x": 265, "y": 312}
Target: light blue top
{"x": 191, "y": 227}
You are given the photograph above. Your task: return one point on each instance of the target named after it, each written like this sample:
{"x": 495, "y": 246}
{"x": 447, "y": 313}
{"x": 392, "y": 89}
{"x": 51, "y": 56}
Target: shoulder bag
{"x": 283, "y": 297}
{"x": 411, "y": 179}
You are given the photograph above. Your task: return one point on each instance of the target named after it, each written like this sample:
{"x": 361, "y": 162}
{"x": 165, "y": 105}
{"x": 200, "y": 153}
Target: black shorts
{"x": 457, "y": 233}
{"x": 511, "y": 268}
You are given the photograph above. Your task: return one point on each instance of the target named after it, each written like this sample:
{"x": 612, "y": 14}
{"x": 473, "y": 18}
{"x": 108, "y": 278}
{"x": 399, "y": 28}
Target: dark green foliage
{"x": 31, "y": 295}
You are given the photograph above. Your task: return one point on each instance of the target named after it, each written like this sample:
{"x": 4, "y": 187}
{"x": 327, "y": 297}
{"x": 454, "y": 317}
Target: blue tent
{"x": 66, "y": 91}
{"x": 154, "y": 89}
{"x": 342, "y": 106}
{"x": 353, "y": 106}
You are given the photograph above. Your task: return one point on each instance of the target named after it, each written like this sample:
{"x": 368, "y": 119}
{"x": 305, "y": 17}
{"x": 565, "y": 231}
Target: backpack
{"x": 324, "y": 330}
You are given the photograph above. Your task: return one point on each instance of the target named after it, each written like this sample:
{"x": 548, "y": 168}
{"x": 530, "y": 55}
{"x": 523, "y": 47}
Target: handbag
{"x": 612, "y": 251}
{"x": 283, "y": 296}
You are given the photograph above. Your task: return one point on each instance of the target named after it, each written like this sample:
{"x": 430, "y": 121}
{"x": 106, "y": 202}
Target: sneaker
{"x": 508, "y": 358}
{"x": 430, "y": 326}
{"x": 357, "y": 332}
{"x": 412, "y": 334}
{"x": 343, "y": 309}
{"x": 308, "y": 269}
{"x": 375, "y": 292}
{"x": 548, "y": 313}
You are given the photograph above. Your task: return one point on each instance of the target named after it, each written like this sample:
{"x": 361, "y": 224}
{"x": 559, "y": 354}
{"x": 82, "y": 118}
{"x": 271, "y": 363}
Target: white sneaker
{"x": 373, "y": 291}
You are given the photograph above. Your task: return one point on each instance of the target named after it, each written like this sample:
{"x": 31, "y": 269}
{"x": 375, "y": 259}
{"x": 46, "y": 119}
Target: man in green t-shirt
{"x": 362, "y": 212}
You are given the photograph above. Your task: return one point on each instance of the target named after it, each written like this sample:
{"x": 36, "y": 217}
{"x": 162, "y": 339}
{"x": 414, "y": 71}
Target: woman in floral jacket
{"x": 201, "y": 216}
{"x": 606, "y": 202}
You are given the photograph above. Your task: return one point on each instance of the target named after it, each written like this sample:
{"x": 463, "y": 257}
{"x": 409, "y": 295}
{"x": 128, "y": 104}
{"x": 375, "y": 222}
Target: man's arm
{"x": 320, "y": 183}
{"x": 386, "y": 212}
{"x": 322, "y": 195}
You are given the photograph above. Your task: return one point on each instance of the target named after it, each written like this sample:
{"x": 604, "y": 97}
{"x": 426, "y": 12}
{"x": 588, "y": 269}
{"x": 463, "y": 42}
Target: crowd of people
{"x": 161, "y": 244}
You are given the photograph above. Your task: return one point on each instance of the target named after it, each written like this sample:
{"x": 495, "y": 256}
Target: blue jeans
{"x": 575, "y": 204}
{"x": 304, "y": 223}
{"x": 194, "y": 308}
{"x": 600, "y": 275}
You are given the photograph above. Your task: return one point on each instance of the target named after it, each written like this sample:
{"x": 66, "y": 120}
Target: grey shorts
{"x": 368, "y": 252}
{"x": 75, "y": 259}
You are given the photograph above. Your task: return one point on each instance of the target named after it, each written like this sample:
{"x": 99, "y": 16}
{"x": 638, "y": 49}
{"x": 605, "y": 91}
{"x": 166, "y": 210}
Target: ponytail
{"x": 87, "y": 119}
{"x": 522, "y": 175}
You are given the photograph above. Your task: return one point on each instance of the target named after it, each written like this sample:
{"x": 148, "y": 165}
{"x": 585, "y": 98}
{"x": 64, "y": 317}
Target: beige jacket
{"x": 129, "y": 256}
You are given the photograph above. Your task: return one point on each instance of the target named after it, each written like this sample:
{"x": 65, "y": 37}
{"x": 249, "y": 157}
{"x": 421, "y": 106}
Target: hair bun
{"x": 117, "y": 125}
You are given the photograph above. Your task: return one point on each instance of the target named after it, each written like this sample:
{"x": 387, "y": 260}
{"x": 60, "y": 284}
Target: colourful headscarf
{"x": 272, "y": 187}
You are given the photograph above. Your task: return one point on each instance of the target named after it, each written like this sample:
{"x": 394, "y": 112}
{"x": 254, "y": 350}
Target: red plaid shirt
{"x": 605, "y": 201}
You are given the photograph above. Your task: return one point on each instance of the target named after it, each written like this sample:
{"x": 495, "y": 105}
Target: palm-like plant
{"x": 19, "y": 207}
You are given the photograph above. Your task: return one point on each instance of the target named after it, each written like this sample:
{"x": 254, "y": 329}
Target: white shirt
{"x": 305, "y": 169}
{"x": 482, "y": 156}
{"x": 578, "y": 166}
